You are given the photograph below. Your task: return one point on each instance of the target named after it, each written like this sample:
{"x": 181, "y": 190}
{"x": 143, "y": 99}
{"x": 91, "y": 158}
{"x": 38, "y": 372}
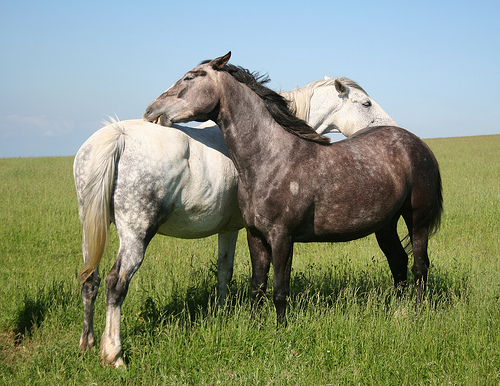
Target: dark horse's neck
{"x": 253, "y": 137}
{"x": 245, "y": 123}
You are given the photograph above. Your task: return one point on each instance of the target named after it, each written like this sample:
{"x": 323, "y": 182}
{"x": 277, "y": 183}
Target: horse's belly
{"x": 347, "y": 222}
{"x": 186, "y": 233}
{"x": 200, "y": 223}
{"x": 334, "y": 237}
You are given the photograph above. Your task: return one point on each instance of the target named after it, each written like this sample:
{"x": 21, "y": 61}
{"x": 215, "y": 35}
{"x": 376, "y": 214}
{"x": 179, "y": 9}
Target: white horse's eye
{"x": 367, "y": 104}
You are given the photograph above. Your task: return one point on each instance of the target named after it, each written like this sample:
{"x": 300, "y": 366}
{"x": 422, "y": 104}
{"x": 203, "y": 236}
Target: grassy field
{"x": 345, "y": 324}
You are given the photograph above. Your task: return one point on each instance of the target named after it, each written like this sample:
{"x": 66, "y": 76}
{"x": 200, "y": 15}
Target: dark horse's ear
{"x": 218, "y": 63}
{"x": 341, "y": 88}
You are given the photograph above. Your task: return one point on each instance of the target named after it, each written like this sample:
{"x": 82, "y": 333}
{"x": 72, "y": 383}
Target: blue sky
{"x": 65, "y": 66}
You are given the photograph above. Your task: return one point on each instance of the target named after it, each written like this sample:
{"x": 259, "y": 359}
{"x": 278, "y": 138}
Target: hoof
{"x": 86, "y": 344}
{"x": 117, "y": 363}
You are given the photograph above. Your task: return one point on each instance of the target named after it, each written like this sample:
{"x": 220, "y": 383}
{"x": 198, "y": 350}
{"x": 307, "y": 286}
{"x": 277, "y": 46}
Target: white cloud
{"x": 17, "y": 125}
{"x": 41, "y": 136}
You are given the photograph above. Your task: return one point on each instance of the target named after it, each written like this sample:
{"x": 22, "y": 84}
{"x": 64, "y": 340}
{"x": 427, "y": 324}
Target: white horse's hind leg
{"x": 227, "y": 246}
{"x": 130, "y": 257}
{"x": 89, "y": 294}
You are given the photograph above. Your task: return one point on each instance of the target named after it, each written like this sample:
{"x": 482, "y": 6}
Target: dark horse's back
{"x": 379, "y": 174}
{"x": 424, "y": 175}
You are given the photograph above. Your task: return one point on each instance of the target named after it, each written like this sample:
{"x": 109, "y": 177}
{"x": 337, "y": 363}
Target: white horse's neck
{"x": 336, "y": 105}
{"x": 300, "y": 101}
{"x": 326, "y": 104}
{"x": 300, "y": 98}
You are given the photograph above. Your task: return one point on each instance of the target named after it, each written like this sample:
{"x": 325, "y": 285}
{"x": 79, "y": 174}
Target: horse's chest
{"x": 273, "y": 204}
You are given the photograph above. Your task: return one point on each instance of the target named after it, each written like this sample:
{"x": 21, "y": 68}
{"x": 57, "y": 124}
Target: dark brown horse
{"x": 294, "y": 186}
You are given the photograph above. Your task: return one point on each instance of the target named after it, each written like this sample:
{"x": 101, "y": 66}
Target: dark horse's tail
{"x": 437, "y": 208}
{"x": 430, "y": 166}
{"x": 434, "y": 212}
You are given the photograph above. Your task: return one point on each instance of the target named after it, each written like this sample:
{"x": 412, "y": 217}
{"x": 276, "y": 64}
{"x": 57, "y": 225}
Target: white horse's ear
{"x": 218, "y": 63}
{"x": 341, "y": 88}
{"x": 327, "y": 77}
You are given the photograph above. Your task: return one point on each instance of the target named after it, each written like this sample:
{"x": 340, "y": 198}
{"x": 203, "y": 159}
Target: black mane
{"x": 275, "y": 104}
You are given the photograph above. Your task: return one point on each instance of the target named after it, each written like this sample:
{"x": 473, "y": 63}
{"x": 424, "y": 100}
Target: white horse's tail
{"x": 96, "y": 212}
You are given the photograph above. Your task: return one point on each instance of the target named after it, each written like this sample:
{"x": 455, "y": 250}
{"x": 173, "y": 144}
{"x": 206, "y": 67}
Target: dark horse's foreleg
{"x": 282, "y": 251}
{"x": 389, "y": 242}
{"x": 261, "y": 262}
{"x": 278, "y": 248}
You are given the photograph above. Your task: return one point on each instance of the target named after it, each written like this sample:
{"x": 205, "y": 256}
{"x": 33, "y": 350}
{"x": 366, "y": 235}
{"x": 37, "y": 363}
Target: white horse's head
{"x": 337, "y": 105}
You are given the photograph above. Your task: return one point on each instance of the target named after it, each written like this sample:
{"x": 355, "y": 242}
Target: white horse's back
{"x": 185, "y": 174}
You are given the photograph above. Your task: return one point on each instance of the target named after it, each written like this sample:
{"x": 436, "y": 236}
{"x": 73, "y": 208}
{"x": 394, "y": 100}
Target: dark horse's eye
{"x": 188, "y": 77}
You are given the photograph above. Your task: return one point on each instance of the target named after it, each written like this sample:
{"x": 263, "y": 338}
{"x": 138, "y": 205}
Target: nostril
{"x": 147, "y": 114}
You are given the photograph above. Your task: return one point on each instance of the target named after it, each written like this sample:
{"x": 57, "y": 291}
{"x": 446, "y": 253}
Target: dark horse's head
{"x": 195, "y": 98}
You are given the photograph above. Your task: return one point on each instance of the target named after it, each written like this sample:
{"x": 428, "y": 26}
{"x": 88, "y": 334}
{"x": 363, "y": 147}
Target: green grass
{"x": 345, "y": 324}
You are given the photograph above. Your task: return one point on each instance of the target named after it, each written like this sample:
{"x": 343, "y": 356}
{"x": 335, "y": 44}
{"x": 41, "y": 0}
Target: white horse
{"x": 180, "y": 182}
{"x": 337, "y": 105}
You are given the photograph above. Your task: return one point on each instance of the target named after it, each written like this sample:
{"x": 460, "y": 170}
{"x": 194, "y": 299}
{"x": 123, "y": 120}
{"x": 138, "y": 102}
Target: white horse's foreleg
{"x": 89, "y": 294}
{"x": 227, "y": 246}
{"x": 117, "y": 282}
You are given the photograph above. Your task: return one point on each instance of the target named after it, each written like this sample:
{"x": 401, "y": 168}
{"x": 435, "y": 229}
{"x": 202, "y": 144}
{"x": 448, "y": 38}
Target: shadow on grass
{"x": 35, "y": 307}
{"x": 329, "y": 284}
{"x": 187, "y": 305}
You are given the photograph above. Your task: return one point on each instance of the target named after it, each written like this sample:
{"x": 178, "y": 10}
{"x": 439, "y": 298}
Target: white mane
{"x": 299, "y": 99}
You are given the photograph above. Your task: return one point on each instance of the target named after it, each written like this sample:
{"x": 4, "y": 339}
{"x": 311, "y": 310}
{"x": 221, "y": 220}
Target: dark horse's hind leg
{"x": 420, "y": 238}
{"x": 389, "y": 242}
